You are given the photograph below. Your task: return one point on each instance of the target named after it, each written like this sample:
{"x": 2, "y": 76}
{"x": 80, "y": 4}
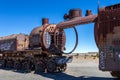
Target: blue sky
{"x": 21, "y": 16}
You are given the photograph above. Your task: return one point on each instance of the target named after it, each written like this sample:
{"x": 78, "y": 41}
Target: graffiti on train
{"x": 6, "y": 46}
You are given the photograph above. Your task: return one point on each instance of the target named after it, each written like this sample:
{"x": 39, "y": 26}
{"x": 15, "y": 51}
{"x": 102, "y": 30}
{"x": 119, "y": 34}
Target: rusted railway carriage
{"x": 12, "y": 48}
{"x": 15, "y": 42}
{"x": 36, "y": 51}
{"x": 107, "y": 36}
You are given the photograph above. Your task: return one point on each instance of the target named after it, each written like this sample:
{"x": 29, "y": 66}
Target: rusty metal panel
{"x": 6, "y": 45}
{"x": 14, "y": 42}
{"x": 107, "y": 34}
{"x": 22, "y": 42}
{"x": 35, "y": 40}
{"x": 35, "y": 37}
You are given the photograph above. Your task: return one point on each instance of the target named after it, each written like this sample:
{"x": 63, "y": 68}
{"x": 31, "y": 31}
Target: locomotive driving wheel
{"x": 17, "y": 65}
{"x": 9, "y": 64}
{"x": 3, "y": 62}
{"x": 51, "y": 66}
{"x": 40, "y": 66}
{"x": 26, "y": 66}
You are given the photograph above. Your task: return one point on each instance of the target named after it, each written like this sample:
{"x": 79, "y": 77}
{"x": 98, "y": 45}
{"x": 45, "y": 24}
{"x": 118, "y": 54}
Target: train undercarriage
{"x": 34, "y": 60}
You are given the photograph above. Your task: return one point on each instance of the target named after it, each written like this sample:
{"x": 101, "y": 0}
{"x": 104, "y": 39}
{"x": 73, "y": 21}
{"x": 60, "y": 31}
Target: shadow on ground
{"x": 15, "y": 70}
{"x": 64, "y": 76}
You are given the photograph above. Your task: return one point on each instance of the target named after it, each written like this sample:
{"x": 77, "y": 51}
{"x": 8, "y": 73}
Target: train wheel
{"x": 2, "y": 64}
{"x": 62, "y": 67}
{"x": 33, "y": 67}
{"x": 40, "y": 66}
{"x": 51, "y": 66}
{"x": 17, "y": 65}
{"x": 26, "y": 66}
{"x": 9, "y": 64}
{"x": 115, "y": 74}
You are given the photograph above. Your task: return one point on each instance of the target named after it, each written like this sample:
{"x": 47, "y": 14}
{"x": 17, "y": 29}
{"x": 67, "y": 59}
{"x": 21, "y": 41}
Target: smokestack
{"x": 45, "y": 21}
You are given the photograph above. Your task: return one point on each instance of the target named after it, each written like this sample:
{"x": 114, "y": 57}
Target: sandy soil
{"x": 85, "y": 62}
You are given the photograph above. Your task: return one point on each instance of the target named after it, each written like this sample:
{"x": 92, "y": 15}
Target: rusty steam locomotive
{"x": 38, "y": 51}
{"x": 43, "y": 48}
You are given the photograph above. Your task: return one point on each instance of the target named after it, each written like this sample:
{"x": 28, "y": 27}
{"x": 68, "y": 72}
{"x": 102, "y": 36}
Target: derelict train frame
{"x": 43, "y": 49}
{"x": 35, "y": 52}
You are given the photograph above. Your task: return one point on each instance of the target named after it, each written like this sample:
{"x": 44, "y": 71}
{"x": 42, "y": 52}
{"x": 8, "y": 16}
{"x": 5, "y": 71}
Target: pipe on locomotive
{"x": 75, "y": 18}
{"x": 77, "y": 21}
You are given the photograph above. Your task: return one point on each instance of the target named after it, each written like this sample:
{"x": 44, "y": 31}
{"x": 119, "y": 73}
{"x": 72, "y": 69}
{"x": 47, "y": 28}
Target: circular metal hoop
{"x": 76, "y": 43}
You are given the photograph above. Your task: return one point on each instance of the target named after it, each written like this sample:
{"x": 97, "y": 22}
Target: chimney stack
{"x": 45, "y": 21}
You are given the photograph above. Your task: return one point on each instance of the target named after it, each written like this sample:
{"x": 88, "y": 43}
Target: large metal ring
{"x": 76, "y": 43}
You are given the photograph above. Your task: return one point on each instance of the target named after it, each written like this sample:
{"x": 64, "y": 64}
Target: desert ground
{"x": 81, "y": 68}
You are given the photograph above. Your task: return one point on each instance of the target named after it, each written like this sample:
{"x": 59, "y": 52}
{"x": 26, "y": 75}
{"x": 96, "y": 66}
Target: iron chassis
{"x": 29, "y": 60}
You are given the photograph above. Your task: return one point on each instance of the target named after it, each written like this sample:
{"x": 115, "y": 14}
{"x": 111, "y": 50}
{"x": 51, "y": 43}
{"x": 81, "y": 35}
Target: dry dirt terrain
{"x": 79, "y": 69}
